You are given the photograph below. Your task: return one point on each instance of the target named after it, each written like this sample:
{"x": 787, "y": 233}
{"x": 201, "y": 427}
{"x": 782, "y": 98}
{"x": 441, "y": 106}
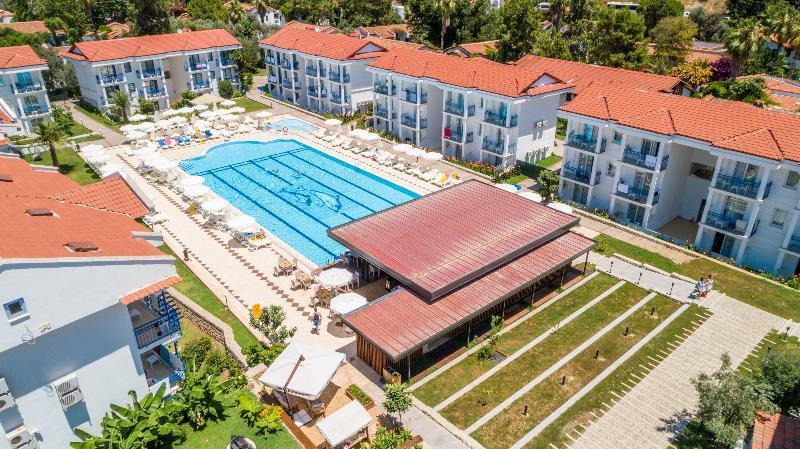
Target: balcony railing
{"x": 29, "y": 111}
{"x": 107, "y": 78}
{"x": 637, "y": 194}
{"x": 27, "y": 88}
{"x": 383, "y": 89}
{"x": 224, "y": 62}
{"x": 496, "y": 118}
{"x": 408, "y": 120}
{"x": 287, "y": 84}
{"x": 582, "y": 143}
{"x": 794, "y": 244}
{"x": 195, "y": 66}
{"x": 165, "y": 325}
{"x": 642, "y": 160}
{"x": 152, "y": 93}
{"x": 582, "y": 175}
{"x": 726, "y": 223}
{"x": 318, "y": 93}
{"x": 150, "y": 73}
{"x": 199, "y": 85}
{"x": 383, "y": 113}
{"x": 312, "y": 71}
{"x": 454, "y": 108}
{"x": 338, "y": 99}
{"x": 270, "y": 59}
{"x": 494, "y": 146}
{"x": 737, "y": 185}
{"x": 290, "y": 65}
{"x": 338, "y": 77}
{"x": 454, "y": 135}
{"x": 273, "y": 79}
{"x": 411, "y": 96}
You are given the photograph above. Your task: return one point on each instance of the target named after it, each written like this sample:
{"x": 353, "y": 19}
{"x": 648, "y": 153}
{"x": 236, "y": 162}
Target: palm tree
{"x": 445, "y": 8}
{"x": 50, "y": 133}
{"x": 742, "y": 40}
{"x": 783, "y": 21}
{"x": 122, "y": 103}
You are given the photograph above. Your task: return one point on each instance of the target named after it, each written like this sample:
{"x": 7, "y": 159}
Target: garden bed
{"x": 355, "y": 393}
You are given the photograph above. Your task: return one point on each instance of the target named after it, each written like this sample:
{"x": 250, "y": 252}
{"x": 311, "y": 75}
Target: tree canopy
{"x": 654, "y": 10}
{"x": 616, "y": 40}
{"x": 673, "y": 38}
{"x": 519, "y": 30}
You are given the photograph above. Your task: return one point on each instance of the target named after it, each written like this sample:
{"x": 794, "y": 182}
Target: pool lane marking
{"x": 242, "y": 163}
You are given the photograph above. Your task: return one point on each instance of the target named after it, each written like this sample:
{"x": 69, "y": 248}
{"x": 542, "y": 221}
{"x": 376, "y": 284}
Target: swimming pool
{"x": 292, "y": 124}
{"x": 295, "y": 191}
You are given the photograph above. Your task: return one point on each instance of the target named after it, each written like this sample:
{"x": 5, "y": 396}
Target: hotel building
{"x": 23, "y": 96}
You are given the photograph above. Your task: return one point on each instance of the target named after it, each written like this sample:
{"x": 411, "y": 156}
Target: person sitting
{"x": 698, "y": 288}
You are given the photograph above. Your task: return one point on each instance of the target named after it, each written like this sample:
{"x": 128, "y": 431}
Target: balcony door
{"x": 734, "y": 208}
{"x": 722, "y": 244}
{"x": 588, "y": 132}
{"x": 642, "y": 181}
{"x": 585, "y": 162}
{"x": 24, "y": 79}
{"x": 580, "y": 194}
{"x": 149, "y": 66}
{"x": 635, "y": 214}
{"x": 745, "y": 171}
{"x": 650, "y": 147}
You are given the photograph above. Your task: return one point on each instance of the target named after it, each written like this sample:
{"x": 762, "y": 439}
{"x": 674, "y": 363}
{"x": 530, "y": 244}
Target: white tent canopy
{"x": 312, "y": 374}
{"x": 347, "y": 302}
{"x": 332, "y": 122}
{"x": 344, "y": 423}
{"x": 91, "y": 147}
{"x": 241, "y": 222}
{"x": 228, "y": 103}
{"x": 192, "y": 180}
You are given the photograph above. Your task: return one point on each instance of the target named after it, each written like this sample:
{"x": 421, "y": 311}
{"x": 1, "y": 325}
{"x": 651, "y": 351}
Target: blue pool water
{"x": 292, "y": 124}
{"x": 295, "y": 191}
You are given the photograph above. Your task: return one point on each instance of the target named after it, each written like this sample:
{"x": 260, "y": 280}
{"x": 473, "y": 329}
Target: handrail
{"x": 166, "y": 324}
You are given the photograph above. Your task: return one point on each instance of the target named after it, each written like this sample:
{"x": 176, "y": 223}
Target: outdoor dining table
{"x": 304, "y": 279}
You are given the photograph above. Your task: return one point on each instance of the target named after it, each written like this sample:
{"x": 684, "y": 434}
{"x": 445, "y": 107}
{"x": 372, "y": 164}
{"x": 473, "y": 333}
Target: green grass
{"x": 469, "y": 369}
{"x": 99, "y": 118}
{"x": 491, "y": 392}
{"x": 758, "y": 292}
{"x": 217, "y": 434}
{"x": 70, "y": 164}
{"x": 250, "y": 105}
{"x": 197, "y": 291}
{"x": 549, "y": 161}
{"x": 582, "y": 412}
{"x": 261, "y": 72}
{"x": 510, "y": 425}
{"x": 775, "y": 342}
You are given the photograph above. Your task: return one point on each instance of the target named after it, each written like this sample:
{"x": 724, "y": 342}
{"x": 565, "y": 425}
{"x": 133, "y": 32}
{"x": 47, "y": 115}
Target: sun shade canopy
{"x": 306, "y": 378}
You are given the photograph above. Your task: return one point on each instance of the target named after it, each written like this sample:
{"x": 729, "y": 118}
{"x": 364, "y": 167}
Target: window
{"x": 792, "y": 180}
{"x": 128, "y": 68}
{"x": 16, "y": 309}
{"x": 778, "y": 218}
{"x": 617, "y": 138}
{"x": 132, "y": 88}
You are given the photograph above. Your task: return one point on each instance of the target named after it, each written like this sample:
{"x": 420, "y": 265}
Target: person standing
{"x": 709, "y": 285}
{"x": 698, "y": 288}
{"x": 316, "y": 320}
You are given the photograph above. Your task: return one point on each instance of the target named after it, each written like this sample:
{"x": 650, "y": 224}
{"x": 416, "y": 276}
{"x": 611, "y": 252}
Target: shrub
{"x": 147, "y": 107}
{"x": 390, "y": 439}
{"x": 265, "y": 418}
{"x": 196, "y": 350}
{"x": 216, "y": 361}
{"x": 359, "y": 395}
{"x": 480, "y": 167}
{"x": 225, "y": 89}
{"x": 256, "y": 353}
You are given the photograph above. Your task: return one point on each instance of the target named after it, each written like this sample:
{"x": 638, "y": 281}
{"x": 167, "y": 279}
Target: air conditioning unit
{"x": 541, "y": 123}
{"x": 6, "y": 402}
{"x": 68, "y": 390}
{"x": 20, "y": 438}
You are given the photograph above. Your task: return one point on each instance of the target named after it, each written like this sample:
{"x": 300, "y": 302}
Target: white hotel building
{"x": 83, "y": 318}
{"x": 318, "y": 70}
{"x": 158, "y": 67}
{"x": 23, "y": 96}
{"x": 720, "y": 175}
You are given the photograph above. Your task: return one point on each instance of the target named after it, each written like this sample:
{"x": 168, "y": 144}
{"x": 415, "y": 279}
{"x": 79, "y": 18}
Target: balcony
{"x": 454, "y": 108}
{"x": 337, "y": 77}
{"x": 493, "y": 146}
{"x": 582, "y": 143}
{"x": 199, "y": 85}
{"x": 317, "y": 93}
{"x": 726, "y": 223}
{"x": 168, "y": 370}
{"x": 579, "y": 174}
{"x": 383, "y": 89}
{"x": 272, "y": 79}
{"x": 225, "y": 62}
{"x": 290, "y": 65}
{"x": 794, "y": 244}
{"x": 270, "y": 59}
{"x": 338, "y": 99}
{"x": 195, "y": 66}
{"x": 737, "y": 185}
{"x": 498, "y": 119}
{"x": 636, "y": 194}
{"x": 453, "y": 135}
{"x": 411, "y": 96}
{"x": 149, "y": 73}
{"x": 287, "y": 84}
{"x": 32, "y": 111}
{"x": 384, "y": 114}
{"x": 106, "y": 79}
{"x": 159, "y": 322}
{"x": 642, "y": 160}
{"x": 153, "y": 93}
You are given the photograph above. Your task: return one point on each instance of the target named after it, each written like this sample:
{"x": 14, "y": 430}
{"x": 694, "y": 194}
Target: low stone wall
{"x": 208, "y": 323}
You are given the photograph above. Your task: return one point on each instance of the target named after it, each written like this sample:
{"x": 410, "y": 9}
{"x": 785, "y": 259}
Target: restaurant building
{"x": 451, "y": 260}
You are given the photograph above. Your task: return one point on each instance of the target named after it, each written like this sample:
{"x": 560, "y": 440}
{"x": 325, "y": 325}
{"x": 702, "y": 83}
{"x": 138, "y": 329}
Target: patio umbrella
{"x": 214, "y": 205}
{"x": 147, "y": 127}
{"x": 98, "y": 158}
{"x": 128, "y": 128}
{"x": 561, "y": 207}
{"x": 347, "y": 302}
{"x": 202, "y": 124}
{"x": 530, "y": 195}
{"x": 200, "y": 107}
{"x": 335, "y": 277}
{"x": 236, "y": 110}
{"x": 247, "y": 120}
{"x": 228, "y": 103}
{"x": 138, "y": 117}
{"x": 432, "y": 156}
{"x": 91, "y": 147}
{"x": 370, "y": 137}
{"x": 264, "y": 114}
{"x": 401, "y": 147}
{"x": 145, "y": 151}
{"x": 192, "y": 180}
{"x": 136, "y": 135}
{"x": 207, "y": 99}
{"x": 110, "y": 169}
{"x": 241, "y": 222}
{"x": 506, "y": 187}
{"x": 208, "y": 114}
{"x": 332, "y": 122}
{"x": 196, "y": 191}
{"x": 306, "y": 377}
{"x": 358, "y": 133}
{"x": 186, "y": 110}
{"x": 163, "y": 124}
{"x": 165, "y": 165}
{"x": 152, "y": 160}
{"x": 229, "y": 118}
{"x": 170, "y": 112}
{"x": 178, "y": 120}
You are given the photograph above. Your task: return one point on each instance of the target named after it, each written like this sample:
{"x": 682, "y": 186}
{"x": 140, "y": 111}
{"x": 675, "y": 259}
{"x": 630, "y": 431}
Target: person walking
{"x": 709, "y": 285}
{"x": 698, "y": 288}
{"x": 317, "y": 320}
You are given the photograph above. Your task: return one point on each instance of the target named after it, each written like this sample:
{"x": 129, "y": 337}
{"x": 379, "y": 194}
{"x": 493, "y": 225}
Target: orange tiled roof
{"x": 730, "y": 125}
{"x": 390, "y": 44}
{"x": 106, "y": 50}
{"x": 19, "y": 56}
{"x": 295, "y": 25}
{"x": 29, "y": 182}
{"x": 475, "y": 48}
{"x": 384, "y": 31}
{"x": 31, "y": 27}
{"x": 784, "y": 92}
{"x": 152, "y": 288}
{"x": 697, "y": 54}
{"x": 112, "y": 194}
{"x": 470, "y": 73}
{"x": 332, "y": 46}
{"x": 581, "y": 75}
{"x": 776, "y": 432}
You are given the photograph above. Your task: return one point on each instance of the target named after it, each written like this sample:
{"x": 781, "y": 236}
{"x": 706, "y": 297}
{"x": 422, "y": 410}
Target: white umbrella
{"x": 163, "y": 124}
{"x": 228, "y": 103}
{"x": 236, "y": 110}
{"x": 186, "y": 110}
{"x": 93, "y": 152}
{"x": 147, "y": 127}
{"x": 192, "y": 180}
{"x": 533, "y": 196}
{"x": 196, "y": 191}
{"x": 214, "y": 205}
{"x": 415, "y": 152}
{"x": 347, "y": 302}
{"x": 208, "y": 114}
{"x": 229, "y": 118}
{"x": 335, "y": 277}
{"x": 110, "y": 169}
{"x": 200, "y": 107}
{"x": 432, "y": 156}
{"x": 142, "y": 152}
{"x": 247, "y": 120}
{"x": 170, "y": 112}
{"x": 165, "y": 165}
{"x": 506, "y": 187}
{"x": 138, "y": 117}
{"x": 202, "y": 124}
{"x": 241, "y": 222}
{"x": 92, "y": 147}
{"x": 152, "y": 160}
{"x": 358, "y": 133}
{"x": 136, "y": 135}
{"x": 332, "y": 122}
{"x": 98, "y": 158}
{"x": 178, "y": 120}
{"x": 370, "y": 137}
{"x": 128, "y": 128}
{"x": 401, "y": 147}
{"x": 561, "y": 207}
{"x": 264, "y": 114}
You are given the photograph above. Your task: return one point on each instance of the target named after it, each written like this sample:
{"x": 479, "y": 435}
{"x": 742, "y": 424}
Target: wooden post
{"x": 469, "y": 330}
{"x": 585, "y": 263}
{"x": 503, "y": 313}
{"x": 563, "y": 271}
{"x": 409, "y": 368}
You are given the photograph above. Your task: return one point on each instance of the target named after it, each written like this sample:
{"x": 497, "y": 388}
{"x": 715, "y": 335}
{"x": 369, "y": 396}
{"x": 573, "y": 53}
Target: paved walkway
{"x": 110, "y": 136}
{"x": 658, "y": 408}
{"x": 676, "y": 288}
{"x": 620, "y": 234}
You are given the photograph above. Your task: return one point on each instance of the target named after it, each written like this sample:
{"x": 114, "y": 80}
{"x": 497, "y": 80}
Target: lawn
{"x": 99, "y": 118}
{"x": 582, "y": 412}
{"x": 532, "y": 170}
{"x": 753, "y": 290}
{"x": 511, "y": 425}
{"x": 469, "y": 369}
{"x": 70, "y": 164}
{"x": 250, "y": 105}
{"x": 197, "y": 291}
{"x": 494, "y": 390}
{"x": 217, "y": 434}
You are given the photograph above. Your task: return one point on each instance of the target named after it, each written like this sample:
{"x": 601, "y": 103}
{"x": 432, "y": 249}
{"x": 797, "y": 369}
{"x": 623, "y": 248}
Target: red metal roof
{"x": 582, "y": 75}
{"x": 444, "y": 240}
{"x": 323, "y": 44}
{"x": 776, "y": 432}
{"x": 107, "y": 50}
{"x": 19, "y": 56}
{"x": 469, "y": 73}
{"x": 400, "y": 322}
{"x": 730, "y": 125}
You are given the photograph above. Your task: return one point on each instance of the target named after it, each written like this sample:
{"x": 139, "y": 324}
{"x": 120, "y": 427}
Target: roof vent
{"x": 39, "y": 212}
{"x": 4, "y": 177}
{"x": 82, "y": 247}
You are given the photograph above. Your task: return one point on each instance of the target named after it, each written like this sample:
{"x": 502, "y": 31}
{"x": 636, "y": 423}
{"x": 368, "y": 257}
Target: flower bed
{"x": 356, "y": 393}
{"x": 479, "y": 167}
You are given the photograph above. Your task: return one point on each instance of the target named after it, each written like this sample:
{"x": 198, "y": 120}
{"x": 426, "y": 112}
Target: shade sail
{"x": 306, "y": 378}
{"x": 344, "y": 423}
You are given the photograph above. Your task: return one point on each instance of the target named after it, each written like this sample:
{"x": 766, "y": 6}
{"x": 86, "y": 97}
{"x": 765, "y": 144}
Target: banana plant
{"x": 203, "y": 396}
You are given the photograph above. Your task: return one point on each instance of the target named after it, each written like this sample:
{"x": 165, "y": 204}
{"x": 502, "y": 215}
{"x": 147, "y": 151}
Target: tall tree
{"x": 445, "y": 9}
{"x": 50, "y": 133}
{"x": 654, "y": 10}
{"x": 783, "y": 21}
{"x": 208, "y": 9}
{"x": 557, "y": 13}
{"x": 673, "y": 38}
{"x": 122, "y": 104}
{"x": 617, "y": 39}
{"x": 743, "y": 40}
{"x": 471, "y": 21}
{"x": 552, "y": 45}
{"x": 742, "y": 9}
{"x": 519, "y": 28}
{"x": 151, "y": 17}
{"x": 71, "y": 13}
{"x": 580, "y": 19}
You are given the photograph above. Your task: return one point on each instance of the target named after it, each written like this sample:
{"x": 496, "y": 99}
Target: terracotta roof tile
{"x": 26, "y": 181}
{"x": 332, "y": 46}
{"x": 470, "y": 73}
{"x": 112, "y": 194}
{"x": 383, "y": 31}
{"x": 19, "y": 56}
{"x": 390, "y": 44}
{"x": 776, "y": 432}
{"x": 731, "y": 125}
{"x": 106, "y": 50}
{"x": 472, "y": 48}
{"x": 581, "y": 75}
{"x": 152, "y": 288}
{"x": 31, "y": 27}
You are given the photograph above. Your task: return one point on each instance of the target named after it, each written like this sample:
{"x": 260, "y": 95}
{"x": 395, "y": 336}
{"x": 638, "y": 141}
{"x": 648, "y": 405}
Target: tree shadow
{"x": 675, "y": 424}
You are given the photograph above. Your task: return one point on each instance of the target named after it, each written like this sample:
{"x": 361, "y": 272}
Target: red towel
{"x": 447, "y": 132}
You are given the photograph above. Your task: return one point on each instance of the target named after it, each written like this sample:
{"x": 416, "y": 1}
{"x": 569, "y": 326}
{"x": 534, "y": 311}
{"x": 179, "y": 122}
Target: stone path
{"x": 110, "y": 136}
{"x": 676, "y": 288}
{"x": 658, "y": 408}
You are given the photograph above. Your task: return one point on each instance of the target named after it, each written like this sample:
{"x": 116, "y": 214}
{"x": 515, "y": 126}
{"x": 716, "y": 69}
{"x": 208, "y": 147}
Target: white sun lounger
{"x": 431, "y": 175}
